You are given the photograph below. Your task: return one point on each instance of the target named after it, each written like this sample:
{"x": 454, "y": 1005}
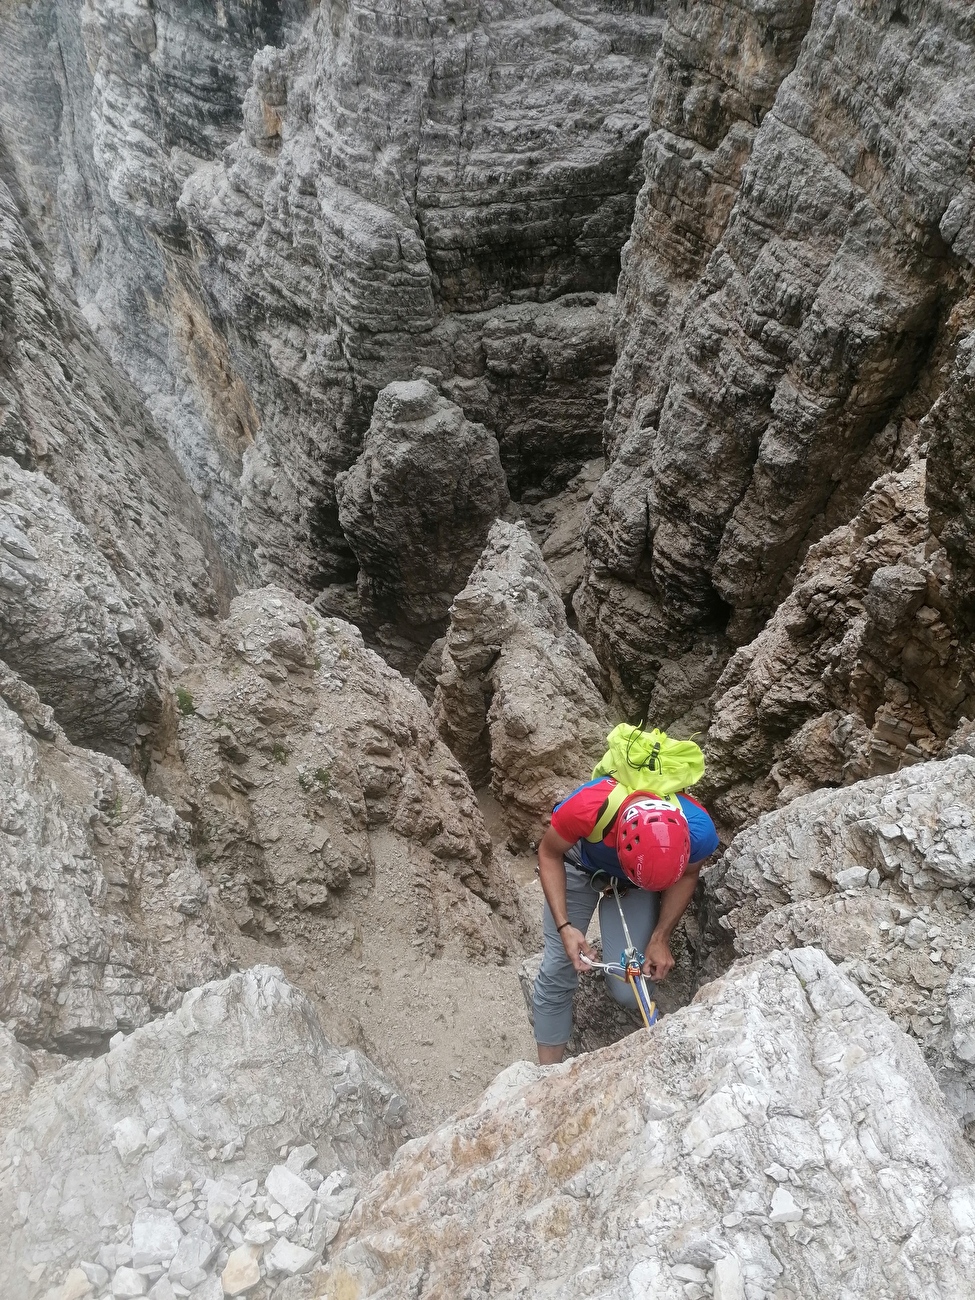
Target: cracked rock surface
{"x": 785, "y": 294}
{"x": 881, "y": 876}
{"x": 517, "y": 696}
{"x": 860, "y": 670}
{"x": 416, "y": 508}
{"x": 104, "y": 916}
{"x": 230, "y": 1126}
{"x": 778, "y": 1131}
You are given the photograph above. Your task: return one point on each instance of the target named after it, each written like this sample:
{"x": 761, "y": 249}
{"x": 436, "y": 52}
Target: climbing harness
{"x": 629, "y": 969}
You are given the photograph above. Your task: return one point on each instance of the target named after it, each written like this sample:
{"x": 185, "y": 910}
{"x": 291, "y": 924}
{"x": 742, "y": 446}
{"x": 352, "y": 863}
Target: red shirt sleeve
{"x": 575, "y": 817}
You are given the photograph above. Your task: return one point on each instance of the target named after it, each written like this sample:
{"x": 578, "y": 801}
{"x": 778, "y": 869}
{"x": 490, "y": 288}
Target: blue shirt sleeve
{"x": 704, "y": 838}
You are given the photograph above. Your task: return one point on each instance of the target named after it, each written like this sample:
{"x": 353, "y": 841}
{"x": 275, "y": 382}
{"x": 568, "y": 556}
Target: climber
{"x": 653, "y": 840}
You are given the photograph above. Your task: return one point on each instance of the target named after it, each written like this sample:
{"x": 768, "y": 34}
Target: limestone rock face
{"x": 422, "y": 187}
{"x": 298, "y": 744}
{"x": 270, "y": 211}
{"x": 95, "y": 1152}
{"x": 859, "y": 671}
{"x": 104, "y": 916}
{"x": 416, "y": 507}
{"x": 67, "y": 624}
{"x": 517, "y": 696}
{"x": 719, "y": 1152}
{"x": 881, "y": 876}
{"x": 106, "y": 108}
{"x": 780, "y": 303}
{"x": 67, "y": 414}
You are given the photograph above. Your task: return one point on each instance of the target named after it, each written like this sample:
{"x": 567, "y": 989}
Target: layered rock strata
{"x": 104, "y": 916}
{"x": 296, "y": 743}
{"x": 860, "y": 670}
{"x": 140, "y": 1168}
{"x": 269, "y": 214}
{"x": 802, "y": 233}
{"x": 109, "y": 565}
{"x": 416, "y": 508}
{"x": 881, "y": 876}
{"x": 722, "y": 1153}
{"x": 517, "y": 696}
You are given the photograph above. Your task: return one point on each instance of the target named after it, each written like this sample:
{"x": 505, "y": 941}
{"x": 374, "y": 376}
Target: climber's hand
{"x": 659, "y": 961}
{"x": 575, "y": 944}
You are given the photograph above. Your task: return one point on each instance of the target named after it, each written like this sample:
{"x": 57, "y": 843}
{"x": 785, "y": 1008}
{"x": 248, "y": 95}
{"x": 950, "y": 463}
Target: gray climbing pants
{"x": 557, "y": 978}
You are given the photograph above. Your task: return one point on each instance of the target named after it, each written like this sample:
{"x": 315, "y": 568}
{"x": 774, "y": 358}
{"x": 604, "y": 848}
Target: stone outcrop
{"x": 269, "y": 214}
{"x": 859, "y": 671}
{"x": 296, "y": 743}
{"x": 517, "y": 698}
{"x": 343, "y": 842}
{"x": 416, "y": 508}
{"x": 804, "y": 227}
{"x": 556, "y": 525}
{"x": 409, "y": 190}
{"x": 881, "y": 876}
{"x": 721, "y": 1154}
{"x": 232, "y": 1115}
{"x": 67, "y": 623}
{"x": 67, "y": 414}
{"x": 104, "y": 916}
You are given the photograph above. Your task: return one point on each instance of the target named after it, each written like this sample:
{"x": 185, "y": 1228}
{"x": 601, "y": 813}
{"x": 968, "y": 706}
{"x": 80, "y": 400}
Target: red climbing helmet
{"x": 653, "y": 843}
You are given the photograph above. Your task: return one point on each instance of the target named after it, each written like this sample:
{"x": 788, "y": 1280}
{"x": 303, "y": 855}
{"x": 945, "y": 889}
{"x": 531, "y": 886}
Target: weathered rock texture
{"x": 99, "y": 1155}
{"x": 778, "y": 1132}
{"x": 803, "y": 231}
{"x": 103, "y": 914}
{"x": 66, "y": 413}
{"x": 517, "y": 698}
{"x": 67, "y": 623}
{"x": 859, "y": 671}
{"x": 416, "y": 508}
{"x": 882, "y": 877}
{"x": 297, "y": 743}
{"x": 109, "y": 567}
{"x": 106, "y": 109}
{"x": 344, "y": 842}
{"x": 269, "y": 215}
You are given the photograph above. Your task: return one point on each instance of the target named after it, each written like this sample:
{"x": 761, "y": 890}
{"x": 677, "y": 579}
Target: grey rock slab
{"x": 244, "y": 1058}
{"x": 126, "y": 925}
{"x": 517, "y": 696}
{"x": 156, "y": 1237}
{"x": 782, "y": 1061}
{"x": 801, "y": 875}
{"x": 290, "y": 1191}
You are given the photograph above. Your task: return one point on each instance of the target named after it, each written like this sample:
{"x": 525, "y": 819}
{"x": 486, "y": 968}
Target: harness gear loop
{"x": 630, "y": 968}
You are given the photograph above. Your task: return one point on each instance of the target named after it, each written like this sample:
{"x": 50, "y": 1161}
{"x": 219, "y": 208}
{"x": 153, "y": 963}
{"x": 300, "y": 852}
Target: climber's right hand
{"x": 575, "y": 944}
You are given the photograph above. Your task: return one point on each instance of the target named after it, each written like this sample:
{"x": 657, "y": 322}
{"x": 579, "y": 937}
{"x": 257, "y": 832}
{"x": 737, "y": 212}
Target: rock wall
{"x": 159, "y": 1149}
{"x": 723, "y": 1153}
{"x": 104, "y": 917}
{"x": 270, "y": 212}
{"x": 881, "y": 876}
{"x": 517, "y": 696}
{"x": 416, "y": 508}
{"x": 803, "y": 233}
{"x": 860, "y": 670}
{"x": 110, "y": 568}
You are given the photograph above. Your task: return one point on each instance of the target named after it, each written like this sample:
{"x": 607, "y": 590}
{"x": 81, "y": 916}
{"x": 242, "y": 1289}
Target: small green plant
{"x": 116, "y": 809}
{"x": 319, "y": 780}
{"x": 318, "y": 661}
{"x": 184, "y": 700}
{"x": 279, "y": 753}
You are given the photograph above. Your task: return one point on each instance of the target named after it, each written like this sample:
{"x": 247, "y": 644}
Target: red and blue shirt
{"x": 574, "y": 818}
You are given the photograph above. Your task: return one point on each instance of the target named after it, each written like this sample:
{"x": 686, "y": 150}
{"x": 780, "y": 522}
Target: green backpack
{"x": 644, "y": 760}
